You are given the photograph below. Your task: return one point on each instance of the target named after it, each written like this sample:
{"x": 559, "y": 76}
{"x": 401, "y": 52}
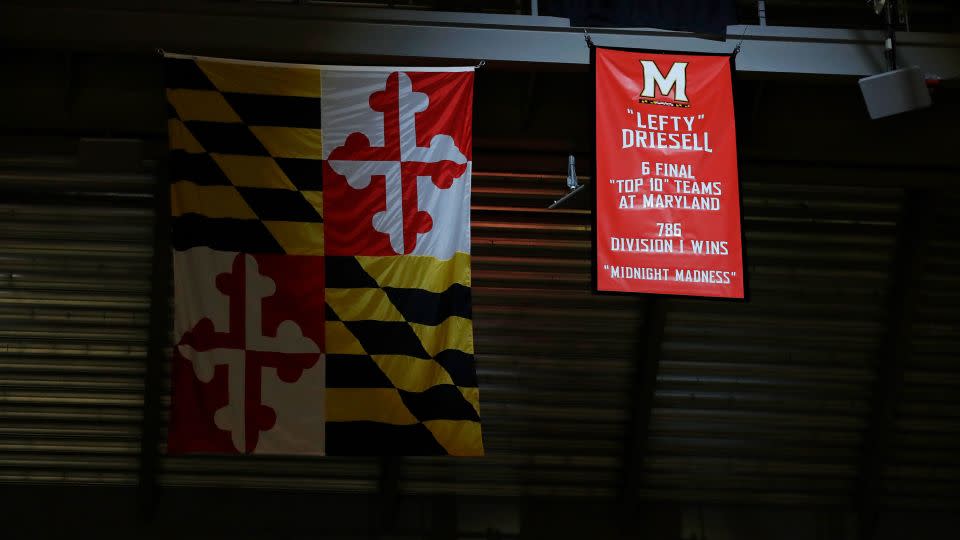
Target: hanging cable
{"x": 736, "y": 50}
{"x": 890, "y": 45}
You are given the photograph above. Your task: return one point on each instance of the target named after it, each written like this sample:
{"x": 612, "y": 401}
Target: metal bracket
{"x": 572, "y": 184}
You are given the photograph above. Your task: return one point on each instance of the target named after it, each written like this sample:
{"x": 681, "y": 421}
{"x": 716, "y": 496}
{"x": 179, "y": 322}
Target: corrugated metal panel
{"x": 75, "y": 268}
{"x": 322, "y": 474}
{"x": 755, "y": 402}
{"x": 75, "y": 251}
{"x": 924, "y": 468}
{"x": 765, "y": 401}
{"x": 554, "y": 362}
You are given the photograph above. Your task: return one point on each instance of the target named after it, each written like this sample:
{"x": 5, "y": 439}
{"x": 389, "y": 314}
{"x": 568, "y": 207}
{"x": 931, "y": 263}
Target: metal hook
{"x": 481, "y": 64}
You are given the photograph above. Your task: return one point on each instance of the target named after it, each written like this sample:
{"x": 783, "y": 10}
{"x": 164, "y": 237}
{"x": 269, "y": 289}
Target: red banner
{"x": 668, "y": 201}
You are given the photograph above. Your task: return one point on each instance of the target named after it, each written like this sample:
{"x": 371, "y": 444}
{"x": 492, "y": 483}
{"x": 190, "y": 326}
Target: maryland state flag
{"x": 321, "y": 236}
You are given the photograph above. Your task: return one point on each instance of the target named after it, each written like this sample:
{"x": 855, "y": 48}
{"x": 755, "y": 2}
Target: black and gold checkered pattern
{"x": 400, "y": 361}
{"x": 246, "y": 152}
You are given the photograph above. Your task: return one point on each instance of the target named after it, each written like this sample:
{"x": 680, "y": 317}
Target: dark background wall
{"x": 825, "y": 407}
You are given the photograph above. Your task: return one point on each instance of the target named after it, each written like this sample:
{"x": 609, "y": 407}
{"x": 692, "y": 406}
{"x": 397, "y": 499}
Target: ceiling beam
{"x": 319, "y": 34}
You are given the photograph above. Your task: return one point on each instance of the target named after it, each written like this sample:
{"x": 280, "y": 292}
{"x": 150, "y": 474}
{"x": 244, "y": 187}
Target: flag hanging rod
{"x": 321, "y": 67}
{"x": 351, "y": 35}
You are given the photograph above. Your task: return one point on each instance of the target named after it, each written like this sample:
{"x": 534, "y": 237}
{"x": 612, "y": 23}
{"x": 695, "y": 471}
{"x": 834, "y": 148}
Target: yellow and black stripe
{"x": 400, "y": 366}
{"x": 245, "y": 156}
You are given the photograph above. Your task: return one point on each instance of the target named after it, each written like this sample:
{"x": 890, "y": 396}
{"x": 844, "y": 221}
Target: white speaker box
{"x": 895, "y": 92}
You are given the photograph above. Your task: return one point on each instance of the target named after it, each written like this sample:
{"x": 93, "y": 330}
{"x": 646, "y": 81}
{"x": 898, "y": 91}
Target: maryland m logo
{"x": 675, "y": 80}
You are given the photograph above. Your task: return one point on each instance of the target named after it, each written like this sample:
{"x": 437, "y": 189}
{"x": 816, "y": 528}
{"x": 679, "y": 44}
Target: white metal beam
{"x": 301, "y": 32}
